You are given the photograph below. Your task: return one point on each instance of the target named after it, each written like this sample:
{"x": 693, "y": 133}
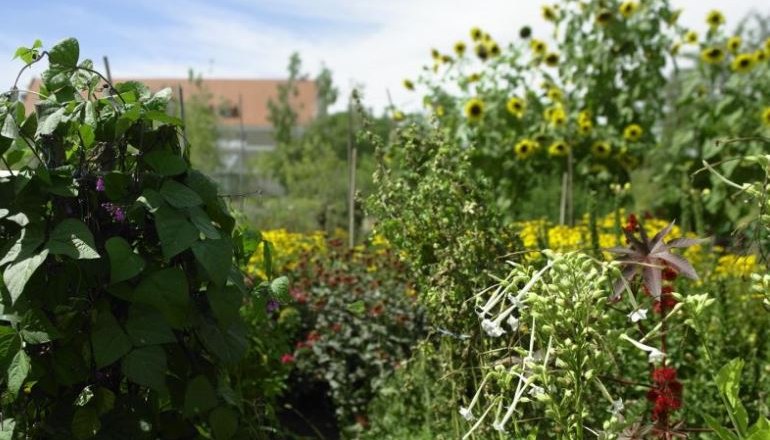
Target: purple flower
{"x": 273, "y": 305}
{"x": 100, "y": 184}
{"x": 116, "y": 211}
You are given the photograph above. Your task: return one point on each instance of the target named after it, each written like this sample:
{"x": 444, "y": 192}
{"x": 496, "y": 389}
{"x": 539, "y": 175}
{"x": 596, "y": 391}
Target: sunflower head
{"x": 603, "y": 17}
{"x": 460, "y": 48}
{"x": 760, "y": 56}
{"x": 552, "y": 59}
{"x": 734, "y": 43}
{"x": 691, "y": 37}
{"x": 601, "y": 149}
{"x": 482, "y": 52}
{"x": 538, "y": 47}
{"x": 525, "y": 148}
{"x": 558, "y": 149}
{"x": 715, "y": 19}
{"x": 435, "y": 54}
{"x": 628, "y": 8}
{"x": 516, "y": 107}
{"x": 633, "y": 132}
{"x": 398, "y": 115}
{"x": 556, "y": 115}
{"x": 474, "y": 109}
{"x": 549, "y": 13}
{"x": 408, "y": 84}
{"x": 584, "y": 116}
{"x": 476, "y": 33}
{"x": 446, "y": 59}
{"x": 474, "y": 77}
{"x": 525, "y": 32}
{"x": 494, "y": 49}
{"x": 585, "y": 127}
{"x": 766, "y": 116}
{"x": 554, "y": 94}
{"x": 712, "y": 55}
{"x": 743, "y": 63}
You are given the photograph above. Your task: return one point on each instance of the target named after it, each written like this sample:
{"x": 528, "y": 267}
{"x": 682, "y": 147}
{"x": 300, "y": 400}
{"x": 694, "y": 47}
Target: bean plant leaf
{"x": 18, "y": 371}
{"x": 228, "y": 343}
{"x": 178, "y": 195}
{"x": 224, "y": 423}
{"x": 108, "y": 340}
{"x": 6, "y": 429}
{"x": 146, "y": 366}
{"x": 202, "y": 221}
{"x": 147, "y": 326}
{"x": 65, "y": 54}
{"x": 73, "y": 239}
{"x": 49, "y": 123}
{"x": 18, "y": 273}
{"x": 215, "y": 256}
{"x": 165, "y": 163}
{"x": 85, "y": 423}
{"x": 124, "y": 263}
{"x": 199, "y": 397}
{"x": 279, "y": 287}
{"x": 176, "y": 233}
{"x": 10, "y": 343}
{"x": 30, "y": 238}
{"x": 225, "y": 303}
{"x": 167, "y": 291}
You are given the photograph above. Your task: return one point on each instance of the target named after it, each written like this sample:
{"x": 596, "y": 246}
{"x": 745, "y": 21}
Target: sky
{"x": 369, "y": 43}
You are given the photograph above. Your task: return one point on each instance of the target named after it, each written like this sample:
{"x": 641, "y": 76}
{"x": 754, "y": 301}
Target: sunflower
{"x": 712, "y": 55}
{"x": 538, "y": 47}
{"x": 398, "y": 115}
{"x": 556, "y": 115}
{"x": 601, "y": 149}
{"x": 482, "y": 52}
{"x": 552, "y": 59}
{"x": 460, "y": 48}
{"x": 408, "y": 84}
{"x": 603, "y": 17}
{"x": 628, "y": 8}
{"x": 734, "y": 43}
{"x": 435, "y": 54}
{"x": 476, "y": 34}
{"x": 525, "y": 148}
{"x": 691, "y": 37}
{"x": 474, "y": 77}
{"x": 766, "y": 116}
{"x": 525, "y": 32}
{"x": 743, "y": 63}
{"x": 554, "y": 94}
{"x": 558, "y": 149}
{"x": 585, "y": 127}
{"x": 548, "y": 13}
{"x": 516, "y": 107}
{"x": 633, "y": 132}
{"x": 474, "y": 109}
{"x": 584, "y": 116}
{"x": 446, "y": 59}
{"x": 715, "y": 19}
{"x": 760, "y": 56}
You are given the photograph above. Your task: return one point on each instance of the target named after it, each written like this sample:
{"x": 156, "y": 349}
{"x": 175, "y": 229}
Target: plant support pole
{"x": 351, "y": 177}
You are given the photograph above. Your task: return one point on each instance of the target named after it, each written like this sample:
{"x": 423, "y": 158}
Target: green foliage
{"x": 201, "y": 126}
{"x": 120, "y": 294}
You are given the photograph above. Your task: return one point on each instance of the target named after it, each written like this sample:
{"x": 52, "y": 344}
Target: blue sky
{"x": 375, "y": 43}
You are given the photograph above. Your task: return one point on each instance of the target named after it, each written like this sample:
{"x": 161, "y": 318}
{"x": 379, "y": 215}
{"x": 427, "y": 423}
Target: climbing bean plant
{"x": 120, "y": 292}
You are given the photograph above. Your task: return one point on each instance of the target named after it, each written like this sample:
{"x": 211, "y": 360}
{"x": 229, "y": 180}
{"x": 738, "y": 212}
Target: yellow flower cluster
{"x": 541, "y": 234}
{"x": 287, "y": 247}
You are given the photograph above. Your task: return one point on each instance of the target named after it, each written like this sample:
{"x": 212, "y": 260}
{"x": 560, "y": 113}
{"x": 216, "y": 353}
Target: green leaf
{"x": 65, "y": 53}
{"x": 203, "y": 222}
{"x": 279, "y": 287}
{"x": 199, "y": 396}
{"x": 357, "y": 308}
{"x": 104, "y": 400}
{"x": 87, "y": 135}
{"x": 147, "y": 326}
{"x": 167, "y": 291}
{"x": 147, "y": 366}
{"x": 85, "y": 423}
{"x": 151, "y": 200}
{"x": 228, "y": 345}
{"x": 163, "y": 117}
{"x": 225, "y": 302}
{"x": 30, "y": 238}
{"x": 36, "y": 328}
{"x": 224, "y": 423}
{"x": 18, "y": 273}
{"x": 175, "y": 232}
{"x": 124, "y": 263}
{"x": 178, "y": 195}
{"x": 10, "y": 344}
{"x": 763, "y": 434}
{"x": 49, "y": 123}
{"x": 729, "y": 380}
{"x": 267, "y": 255}
{"x": 108, "y": 340}
{"x": 18, "y": 371}
{"x": 116, "y": 185}
{"x": 6, "y": 429}
{"x": 722, "y": 432}
{"x": 9, "y": 130}
{"x": 165, "y": 163}
{"x": 73, "y": 239}
{"x": 215, "y": 256}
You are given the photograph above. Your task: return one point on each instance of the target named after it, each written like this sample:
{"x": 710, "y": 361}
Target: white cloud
{"x": 375, "y": 42}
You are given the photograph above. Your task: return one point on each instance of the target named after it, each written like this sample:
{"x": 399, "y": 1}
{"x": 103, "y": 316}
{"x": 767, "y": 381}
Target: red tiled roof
{"x": 255, "y": 93}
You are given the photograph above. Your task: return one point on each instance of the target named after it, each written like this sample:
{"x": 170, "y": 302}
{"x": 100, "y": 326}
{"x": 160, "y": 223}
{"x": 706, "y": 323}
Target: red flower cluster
{"x": 287, "y": 358}
{"x": 666, "y": 393}
{"x": 631, "y": 223}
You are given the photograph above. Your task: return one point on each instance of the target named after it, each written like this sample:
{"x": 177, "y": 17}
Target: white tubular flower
{"x": 654, "y": 355}
{"x": 499, "y": 426}
{"x": 467, "y": 414}
{"x": 492, "y": 328}
{"x": 535, "y": 391}
{"x": 617, "y": 407}
{"x": 513, "y": 322}
{"x": 638, "y": 315}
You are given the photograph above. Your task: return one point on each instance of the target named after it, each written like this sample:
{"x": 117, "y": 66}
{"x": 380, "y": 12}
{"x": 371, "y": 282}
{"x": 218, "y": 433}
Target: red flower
{"x": 631, "y": 223}
{"x": 662, "y": 375}
{"x": 313, "y": 336}
{"x": 666, "y": 394}
{"x": 287, "y": 358}
{"x": 669, "y": 274}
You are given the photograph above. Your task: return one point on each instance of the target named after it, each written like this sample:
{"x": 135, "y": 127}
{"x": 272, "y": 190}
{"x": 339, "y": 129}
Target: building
{"x": 244, "y": 129}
